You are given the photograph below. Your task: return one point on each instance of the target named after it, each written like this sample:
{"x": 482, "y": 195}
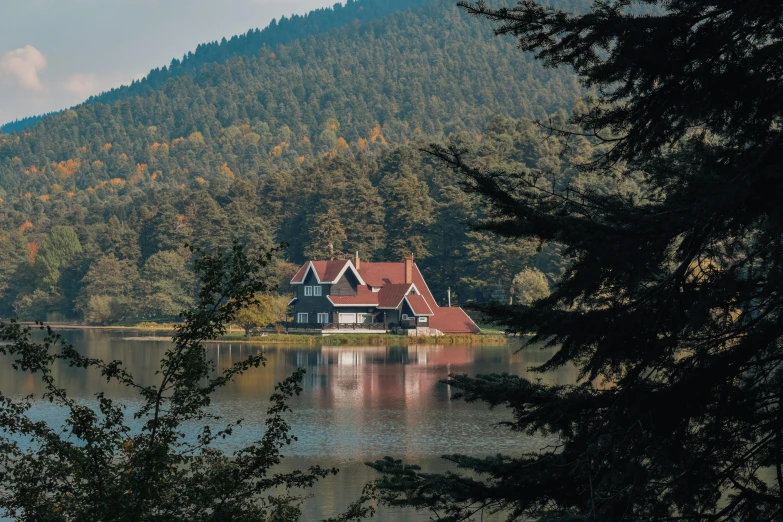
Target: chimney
{"x": 408, "y": 270}
{"x": 358, "y": 263}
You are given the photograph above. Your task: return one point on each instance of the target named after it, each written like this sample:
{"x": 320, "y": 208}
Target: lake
{"x": 359, "y": 403}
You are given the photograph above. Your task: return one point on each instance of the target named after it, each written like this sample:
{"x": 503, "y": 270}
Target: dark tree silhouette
{"x": 671, "y": 305}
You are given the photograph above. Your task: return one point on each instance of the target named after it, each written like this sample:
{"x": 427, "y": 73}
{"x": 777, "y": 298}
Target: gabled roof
{"x": 392, "y": 295}
{"x": 419, "y": 305}
{"x": 326, "y": 271}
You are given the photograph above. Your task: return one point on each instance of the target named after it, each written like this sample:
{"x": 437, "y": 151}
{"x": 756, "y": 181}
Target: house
{"x": 360, "y": 293}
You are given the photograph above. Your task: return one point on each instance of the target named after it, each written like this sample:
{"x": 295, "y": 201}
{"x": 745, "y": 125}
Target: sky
{"x": 57, "y": 53}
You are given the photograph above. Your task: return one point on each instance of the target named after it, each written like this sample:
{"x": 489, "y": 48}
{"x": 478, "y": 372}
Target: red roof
{"x": 419, "y": 305}
{"x": 364, "y": 296}
{"x": 453, "y": 320}
{"x": 391, "y": 295}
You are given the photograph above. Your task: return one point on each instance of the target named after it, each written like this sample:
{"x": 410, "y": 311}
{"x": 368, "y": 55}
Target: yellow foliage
{"x": 107, "y": 147}
{"x": 55, "y": 188}
{"x": 196, "y": 138}
{"x": 117, "y": 182}
{"x": 25, "y": 227}
{"x": 478, "y": 137}
{"x": 98, "y": 164}
{"x": 82, "y": 150}
{"x": 124, "y": 157}
{"x": 155, "y": 146}
{"x": 331, "y": 154}
{"x": 300, "y": 159}
{"x": 278, "y": 150}
{"x": 226, "y": 171}
{"x": 362, "y": 143}
{"x": 70, "y": 194}
{"x": 201, "y": 180}
{"x": 181, "y": 218}
{"x": 341, "y": 143}
{"x": 141, "y": 167}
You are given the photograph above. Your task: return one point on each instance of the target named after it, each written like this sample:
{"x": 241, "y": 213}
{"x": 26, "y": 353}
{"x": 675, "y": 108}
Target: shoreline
{"x": 295, "y": 338}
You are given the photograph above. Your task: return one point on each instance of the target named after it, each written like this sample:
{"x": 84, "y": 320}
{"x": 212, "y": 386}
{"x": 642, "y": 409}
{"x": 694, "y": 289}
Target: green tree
{"x": 167, "y": 285}
{"x": 97, "y": 467}
{"x": 327, "y": 236}
{"x": 409, "y": 213}
{"x": 529, "y": 286}
{"x": 60, "y": 251}
{"x": 670, "y": 307}
{"x": 108, "y": 291}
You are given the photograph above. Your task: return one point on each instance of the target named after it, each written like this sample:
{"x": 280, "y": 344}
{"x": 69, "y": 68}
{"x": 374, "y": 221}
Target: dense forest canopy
{"x": 321, "y": 132}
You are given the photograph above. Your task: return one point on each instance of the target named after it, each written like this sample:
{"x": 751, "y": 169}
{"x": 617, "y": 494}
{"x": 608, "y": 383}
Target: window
{"x": 302, "y": 318}
{"x": 308, "y": 291}
{"x": 404, "y": 316}
{"x": 317, "y": 290}
{"x": 423, "y": 319}
{"x": 361, "y": 318}
{"x": 323, "y": 318}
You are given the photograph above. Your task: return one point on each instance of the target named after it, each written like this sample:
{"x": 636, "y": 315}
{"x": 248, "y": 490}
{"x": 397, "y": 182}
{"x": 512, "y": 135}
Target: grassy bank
{"x": 364, "y": 339}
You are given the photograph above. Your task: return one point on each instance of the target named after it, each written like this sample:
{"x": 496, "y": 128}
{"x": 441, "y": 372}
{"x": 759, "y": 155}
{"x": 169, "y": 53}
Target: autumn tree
{"x": 267, "y": 310}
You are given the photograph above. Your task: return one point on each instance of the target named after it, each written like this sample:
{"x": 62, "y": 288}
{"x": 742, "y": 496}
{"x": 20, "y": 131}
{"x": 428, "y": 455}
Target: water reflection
{"x": 358, "y": 404}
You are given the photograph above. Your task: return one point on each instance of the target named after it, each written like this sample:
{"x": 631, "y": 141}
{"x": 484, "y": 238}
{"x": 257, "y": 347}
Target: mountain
{"x": 224, "y": 143}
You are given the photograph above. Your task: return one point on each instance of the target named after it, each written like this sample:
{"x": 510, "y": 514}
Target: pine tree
{"x": 671, "y": 304}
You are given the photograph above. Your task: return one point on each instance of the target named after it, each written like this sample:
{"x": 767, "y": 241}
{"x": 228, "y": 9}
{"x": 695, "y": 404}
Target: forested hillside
{"x": 314, "y": 142}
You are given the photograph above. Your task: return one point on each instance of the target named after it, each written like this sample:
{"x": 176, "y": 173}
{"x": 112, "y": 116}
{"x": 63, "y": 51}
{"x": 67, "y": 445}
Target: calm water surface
{"x": 358, "y": 404}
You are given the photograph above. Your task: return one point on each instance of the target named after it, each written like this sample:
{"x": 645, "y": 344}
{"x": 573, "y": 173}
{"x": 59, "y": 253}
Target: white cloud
{"x": 83, "y": 85}
{"x": 23, "y": 65}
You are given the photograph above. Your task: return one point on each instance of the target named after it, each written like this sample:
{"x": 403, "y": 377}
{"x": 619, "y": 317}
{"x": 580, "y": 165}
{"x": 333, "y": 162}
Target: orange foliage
{"x": 362, "y": 143}
{"x": 331, "y": 154}
{"x": 201, "y": 180}
{"x": 226, "y": 171}
{"x": 25, "y": 227}
{"x": 341, "y": 143}
{"x": 66, "y": 169}
{"x": 34, "y": 169}
{"x": 28, "y": 195}
{"x": 278, "y": 150}
{"x": 141, "y": 167}
{"x": 98, "y": 164}
{"x": 124, "y": 157}
{"x": 154, "y": 175}
{"x": 300, "y": 159}
{"x": 375, "y": 135}
{"x": 117, "y": 182}
{"x": 82, "y": 150}
{"x": 70, "y": 194}
{"x": 306, "y": 141}
{"x": 107, "y": 147}
{"x": 273, "y": 56}
{"x": 155, "y": 146}
{"x": 32, "y": 252}
{"x": 44, "y": 198}
{"x": 177, "y": 141}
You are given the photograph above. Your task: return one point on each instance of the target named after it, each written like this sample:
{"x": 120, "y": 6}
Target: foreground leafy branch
{"x": 96, "y": 467}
